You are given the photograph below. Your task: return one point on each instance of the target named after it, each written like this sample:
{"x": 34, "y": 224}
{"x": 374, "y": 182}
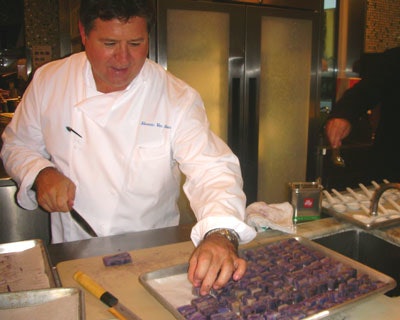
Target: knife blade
{"x": 82, "y": 222}
{"x": 116, "y": 308}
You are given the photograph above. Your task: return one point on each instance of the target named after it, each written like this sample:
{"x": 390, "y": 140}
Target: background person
{"x": 381, "y": 88}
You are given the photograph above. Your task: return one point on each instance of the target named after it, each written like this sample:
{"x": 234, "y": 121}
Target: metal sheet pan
{"x": 22, "y": 246}
{"x": 362, "y": 220}
{"x": 65, "y": 303}
{"x": 359, "y": 217}
{"x": 160, "y": 282}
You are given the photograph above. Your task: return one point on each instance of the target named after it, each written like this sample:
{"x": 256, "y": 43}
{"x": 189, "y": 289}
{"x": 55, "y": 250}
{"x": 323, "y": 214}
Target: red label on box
{"x": 308, "y": 203}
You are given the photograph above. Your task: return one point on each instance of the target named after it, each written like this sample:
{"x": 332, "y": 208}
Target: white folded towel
{"x": 277, "y": 216}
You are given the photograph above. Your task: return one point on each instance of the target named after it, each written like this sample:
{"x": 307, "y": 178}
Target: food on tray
{"x": 117, "y": 259}
{"x": 284, "y": 280}
{"x": 23, "y": 270}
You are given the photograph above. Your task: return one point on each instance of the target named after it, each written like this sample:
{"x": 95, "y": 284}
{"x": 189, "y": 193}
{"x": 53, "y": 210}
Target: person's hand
{"x": 336, "y": 130}
{"x": 54, "y": 191}
{"x": 213, "y": 263}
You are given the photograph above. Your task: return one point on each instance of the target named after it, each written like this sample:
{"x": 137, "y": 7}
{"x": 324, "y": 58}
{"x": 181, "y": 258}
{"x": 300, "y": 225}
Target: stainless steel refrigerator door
{"x": 281, "y": 63}
{"x": 203, "y": 44}
{"x": 256, "y": 69}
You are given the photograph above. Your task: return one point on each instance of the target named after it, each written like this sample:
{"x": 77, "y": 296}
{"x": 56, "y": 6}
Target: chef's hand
{"x": 336, "y": 130}
{"x": 54, "y": 191}
{"x": 213, "y": 263}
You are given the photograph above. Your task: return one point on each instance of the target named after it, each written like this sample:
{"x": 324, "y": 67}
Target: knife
{"x": 116, "y": 308}
{"x": 82, "y": 222}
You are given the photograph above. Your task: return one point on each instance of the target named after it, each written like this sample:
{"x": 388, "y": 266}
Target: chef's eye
{"x": 109, "y": 43}
{"x": 135, "y": 43}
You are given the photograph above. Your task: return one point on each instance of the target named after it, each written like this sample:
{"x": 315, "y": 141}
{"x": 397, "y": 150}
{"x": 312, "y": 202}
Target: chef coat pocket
{"x": 150, "y": 170}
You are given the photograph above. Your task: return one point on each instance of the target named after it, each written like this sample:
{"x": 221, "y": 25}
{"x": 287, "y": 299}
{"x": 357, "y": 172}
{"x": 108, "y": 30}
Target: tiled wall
{"x": 42, "y": 30}
{"x": 382, "y": 30}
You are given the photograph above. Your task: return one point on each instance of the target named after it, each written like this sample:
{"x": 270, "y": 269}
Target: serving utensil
{"x": 366, "y": 191}
{"x": 337, "y": 158}
{"x": 354, "y": 194}
{"x": 328, "y": 196}
{"x": 342, "y": 197}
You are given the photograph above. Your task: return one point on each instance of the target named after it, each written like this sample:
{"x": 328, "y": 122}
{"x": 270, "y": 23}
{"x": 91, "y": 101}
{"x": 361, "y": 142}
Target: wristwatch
{"x": 229, "y": 234}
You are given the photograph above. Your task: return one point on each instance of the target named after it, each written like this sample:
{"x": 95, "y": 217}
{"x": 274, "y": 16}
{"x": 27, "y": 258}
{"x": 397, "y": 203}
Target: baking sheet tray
{"x": 18, "y": 255}
{"x": 55, "y": 303}
{"x": 172, "y": 289}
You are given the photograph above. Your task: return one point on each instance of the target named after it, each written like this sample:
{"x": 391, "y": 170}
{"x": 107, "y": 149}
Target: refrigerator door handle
{"x": 235, "y": 128}
{"x": 252, "y": 119}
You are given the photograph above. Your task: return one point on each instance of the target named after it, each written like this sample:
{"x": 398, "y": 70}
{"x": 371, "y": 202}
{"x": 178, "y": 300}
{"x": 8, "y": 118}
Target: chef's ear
{"x": 82, "y": 32}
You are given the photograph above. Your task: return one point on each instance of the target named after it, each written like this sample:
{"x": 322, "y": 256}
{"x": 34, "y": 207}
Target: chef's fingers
{"x": 64, "y": 195}
{"x": 336, "y": 130}
{"x": 205, "y": 273}
{"x": 213, "y": 263}
{"x": 216, "y": 277}
{"x": 198, "y": 266}
{"x": 191, "y": 270}
{"x": 54, "y": 191}
{"x": 232, "y": 267}
{"x": 71, "y": 195}
{"x": 240, "y": 269}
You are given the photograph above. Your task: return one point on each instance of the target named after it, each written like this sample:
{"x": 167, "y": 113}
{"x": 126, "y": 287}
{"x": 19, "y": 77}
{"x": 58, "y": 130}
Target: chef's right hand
{"x": 54, "y": 191}
{"x": 213, "y": 263}
{"x": 336, "y": 130}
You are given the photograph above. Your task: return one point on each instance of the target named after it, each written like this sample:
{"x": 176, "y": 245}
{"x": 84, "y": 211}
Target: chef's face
{"x": 116, "y": 50}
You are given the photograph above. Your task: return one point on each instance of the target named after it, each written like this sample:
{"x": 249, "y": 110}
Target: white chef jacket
{"x": 125, "y": 152}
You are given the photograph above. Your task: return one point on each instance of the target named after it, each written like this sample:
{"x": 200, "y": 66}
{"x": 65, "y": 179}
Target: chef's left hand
{"x": 213, "y": 263}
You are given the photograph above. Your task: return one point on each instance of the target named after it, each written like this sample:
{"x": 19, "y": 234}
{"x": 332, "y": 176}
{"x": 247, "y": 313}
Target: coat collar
{"x": 97, "y": 105}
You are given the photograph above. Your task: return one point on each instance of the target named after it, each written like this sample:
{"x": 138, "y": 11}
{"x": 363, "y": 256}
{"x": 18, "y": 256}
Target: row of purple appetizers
{"x": 284, "y": 280}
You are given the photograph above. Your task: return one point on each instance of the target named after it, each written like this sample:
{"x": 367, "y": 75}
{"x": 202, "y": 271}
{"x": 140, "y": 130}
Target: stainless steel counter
{"x": 16, "y": 223}
{"x": 119, "y": 243}
{"x": 147, "y": 239}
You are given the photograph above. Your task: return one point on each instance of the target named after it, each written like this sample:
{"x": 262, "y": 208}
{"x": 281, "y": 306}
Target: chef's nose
{"x": 122, "y": 53}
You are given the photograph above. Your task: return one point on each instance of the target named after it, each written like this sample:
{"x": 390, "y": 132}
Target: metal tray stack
{"x": 55, "y": 303}
{"x": 21, "y": 257}
{"x": 30, "y": 287}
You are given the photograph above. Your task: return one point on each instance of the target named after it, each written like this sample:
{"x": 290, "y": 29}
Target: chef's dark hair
{"x": 122, "y": 10}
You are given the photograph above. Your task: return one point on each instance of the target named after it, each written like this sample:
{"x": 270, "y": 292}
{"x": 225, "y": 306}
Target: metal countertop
{"x": 113, "y": 244}
{"x": 37, "y": 225}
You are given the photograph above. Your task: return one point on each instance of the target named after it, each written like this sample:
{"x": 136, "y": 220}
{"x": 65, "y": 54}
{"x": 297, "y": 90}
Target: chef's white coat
{"x": 125, "y": 153}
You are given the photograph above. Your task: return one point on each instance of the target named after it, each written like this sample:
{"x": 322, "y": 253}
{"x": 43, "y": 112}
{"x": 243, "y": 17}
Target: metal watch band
{"x": 229, "y": 234}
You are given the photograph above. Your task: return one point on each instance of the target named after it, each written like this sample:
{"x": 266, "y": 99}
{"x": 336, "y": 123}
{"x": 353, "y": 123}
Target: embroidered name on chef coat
{"x": 155, "y": 124}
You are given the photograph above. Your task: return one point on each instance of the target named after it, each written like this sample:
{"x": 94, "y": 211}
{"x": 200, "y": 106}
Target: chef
{"x": 107, "y": 132}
